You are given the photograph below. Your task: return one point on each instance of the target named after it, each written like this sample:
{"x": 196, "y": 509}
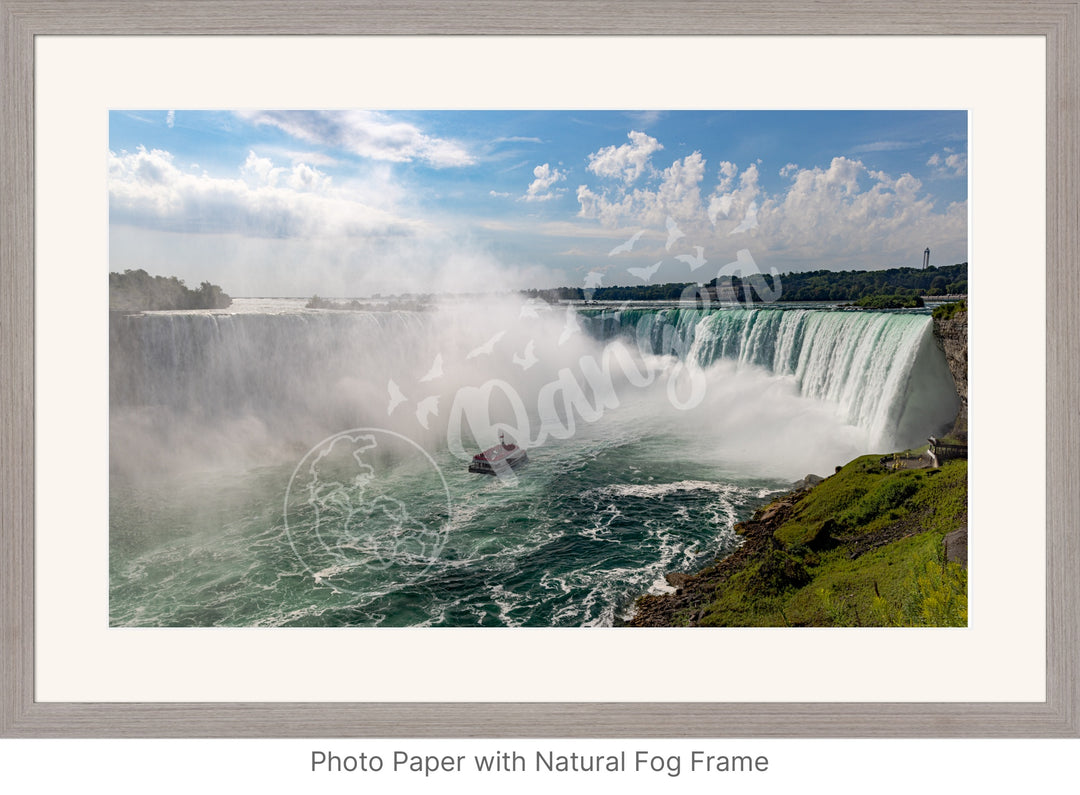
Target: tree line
{"x": 818, "y": 285}
{"x": 137, "y": 290}
{"x": 825, "y": 285}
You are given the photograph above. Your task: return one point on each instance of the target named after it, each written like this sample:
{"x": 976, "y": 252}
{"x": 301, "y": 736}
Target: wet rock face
{"x": 951, "y": 335}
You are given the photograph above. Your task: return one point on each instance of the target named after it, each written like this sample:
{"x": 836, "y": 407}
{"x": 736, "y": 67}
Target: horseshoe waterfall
{"x": 273, "y": 465}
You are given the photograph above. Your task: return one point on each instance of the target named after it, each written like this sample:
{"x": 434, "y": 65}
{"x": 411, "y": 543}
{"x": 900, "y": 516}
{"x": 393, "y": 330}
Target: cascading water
{"x": 881, "y": 370}
{"x": 214, "y": 417}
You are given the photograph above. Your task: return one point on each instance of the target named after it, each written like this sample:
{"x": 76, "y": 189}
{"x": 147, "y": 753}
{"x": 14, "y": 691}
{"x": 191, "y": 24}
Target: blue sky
{"x": 352, "y": 203}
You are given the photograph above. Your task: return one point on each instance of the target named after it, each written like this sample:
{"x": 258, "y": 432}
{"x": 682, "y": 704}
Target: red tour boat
{"x": 500, "y": 458}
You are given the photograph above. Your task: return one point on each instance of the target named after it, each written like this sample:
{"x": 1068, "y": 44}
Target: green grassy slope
{"x": 865, "y": 547}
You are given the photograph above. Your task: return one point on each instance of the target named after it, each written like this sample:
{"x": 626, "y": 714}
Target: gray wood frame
{"x": 22, "y": 20}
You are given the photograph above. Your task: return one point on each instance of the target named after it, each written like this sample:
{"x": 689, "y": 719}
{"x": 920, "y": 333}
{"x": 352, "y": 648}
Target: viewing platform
{"x": 941, "y": 452}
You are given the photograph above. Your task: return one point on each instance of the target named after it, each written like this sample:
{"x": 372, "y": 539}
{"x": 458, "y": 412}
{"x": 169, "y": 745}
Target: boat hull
{"x": 493, "y": 461}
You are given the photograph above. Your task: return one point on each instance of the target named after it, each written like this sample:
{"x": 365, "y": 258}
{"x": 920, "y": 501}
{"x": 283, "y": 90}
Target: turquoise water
{"x": 263, "y": 474}
{"x": 586, "y": 530}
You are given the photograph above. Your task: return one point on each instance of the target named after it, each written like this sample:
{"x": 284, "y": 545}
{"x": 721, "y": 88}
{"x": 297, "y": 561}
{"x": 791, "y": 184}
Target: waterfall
{"x": 218, "y": 364}
{"x": 296, "y": 374}
{"x": 882, "y": 370}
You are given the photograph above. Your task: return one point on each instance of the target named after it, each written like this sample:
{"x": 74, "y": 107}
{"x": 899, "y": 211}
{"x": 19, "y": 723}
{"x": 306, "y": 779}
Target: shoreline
{"x": 798, "y": 540}
{"x": 690, "y": 589}
{"x": 837, "y": 552}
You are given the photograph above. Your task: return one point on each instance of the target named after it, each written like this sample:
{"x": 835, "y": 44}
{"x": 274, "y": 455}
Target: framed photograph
{"x": 554, "y": 369}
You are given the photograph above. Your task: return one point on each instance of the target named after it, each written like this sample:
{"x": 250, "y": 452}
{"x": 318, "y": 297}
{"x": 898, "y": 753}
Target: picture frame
{"x": 23, "y": 716}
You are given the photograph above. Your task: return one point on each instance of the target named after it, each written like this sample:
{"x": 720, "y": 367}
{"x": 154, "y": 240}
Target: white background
{"x": 899, "y": 767}
{"x": 999, "y": 657}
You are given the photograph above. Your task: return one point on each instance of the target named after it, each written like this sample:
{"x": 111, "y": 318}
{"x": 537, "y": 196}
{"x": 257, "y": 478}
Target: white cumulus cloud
{"x": 949, "y": 163}
{"x": 847, "y": 212}
{"x": 541, "y": 188}
{"x": 677, "y": 194}
{"x": 626, "y": 162}
{"x": 843, "y": 214}
{"x": 730, "y": 202}
{"x": 147, "y": 189}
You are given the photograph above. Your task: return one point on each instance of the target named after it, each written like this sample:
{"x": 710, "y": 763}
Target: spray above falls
{"x": 650, "y": 434}
{"x": 298, "y": 375}
{"x": 882, "y": 371}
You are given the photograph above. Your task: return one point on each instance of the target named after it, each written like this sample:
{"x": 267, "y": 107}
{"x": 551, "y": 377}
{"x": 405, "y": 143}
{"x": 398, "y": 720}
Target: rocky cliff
{"x": 950, "y": 331}
{"x": 852, "y": 549}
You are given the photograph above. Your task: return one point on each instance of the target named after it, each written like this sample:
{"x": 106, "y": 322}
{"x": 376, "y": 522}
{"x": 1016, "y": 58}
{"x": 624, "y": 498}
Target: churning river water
{"x": 272, "y": 465}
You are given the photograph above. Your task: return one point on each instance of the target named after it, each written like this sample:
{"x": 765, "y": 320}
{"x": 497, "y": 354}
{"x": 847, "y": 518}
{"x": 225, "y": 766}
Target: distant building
{"x": 926, "y": 258}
